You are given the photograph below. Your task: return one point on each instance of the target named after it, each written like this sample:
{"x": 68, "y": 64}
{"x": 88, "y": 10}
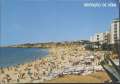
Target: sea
{"x": 14, "y": 56}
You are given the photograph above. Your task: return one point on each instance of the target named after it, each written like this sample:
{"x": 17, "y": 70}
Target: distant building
{"x": 115, "y": 31}
{"x": 111, "y": 37}
{"x": 106, "y": 37}
{"x": 94, "y": 38}
{"x": 100, "y": 37}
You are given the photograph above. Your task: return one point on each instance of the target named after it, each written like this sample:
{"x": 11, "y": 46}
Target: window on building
{"x": 115, "y": 25}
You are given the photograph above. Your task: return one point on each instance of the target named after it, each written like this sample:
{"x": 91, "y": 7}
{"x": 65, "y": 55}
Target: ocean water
{"x": 13, "y": 56}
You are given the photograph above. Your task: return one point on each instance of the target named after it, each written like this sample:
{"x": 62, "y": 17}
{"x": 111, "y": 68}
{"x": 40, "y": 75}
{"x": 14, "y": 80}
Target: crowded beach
{"x": 61, "y": 61}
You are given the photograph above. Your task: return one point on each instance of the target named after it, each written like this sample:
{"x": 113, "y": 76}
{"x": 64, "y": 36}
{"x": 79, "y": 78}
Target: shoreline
{"x": 36, "y": 53}
{"x": 60, "y": 61}
{"x": 27, "y": 62}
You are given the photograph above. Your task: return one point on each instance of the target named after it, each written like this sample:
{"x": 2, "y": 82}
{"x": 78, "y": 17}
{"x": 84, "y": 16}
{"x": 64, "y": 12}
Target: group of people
{"x": 59, "y": 58}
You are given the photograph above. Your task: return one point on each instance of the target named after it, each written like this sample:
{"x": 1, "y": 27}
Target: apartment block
{"x": 101, "y": 38}
{"x": 109, "y": 37}
{"x": 115, "y": 31}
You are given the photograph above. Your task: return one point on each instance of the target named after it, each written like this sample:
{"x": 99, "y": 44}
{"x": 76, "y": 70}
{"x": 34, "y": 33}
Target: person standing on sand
{"x": 8, "y": 78}
{"x": 18, "y": 80}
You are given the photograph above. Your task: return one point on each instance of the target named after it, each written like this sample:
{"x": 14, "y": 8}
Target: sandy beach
{"x": 97, "y": 77}
{"x": 61, "y": 61}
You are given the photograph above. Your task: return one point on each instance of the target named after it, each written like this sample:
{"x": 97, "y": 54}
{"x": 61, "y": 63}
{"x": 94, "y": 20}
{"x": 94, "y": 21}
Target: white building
{"x": 111, "y": 37}
{"x": 115, "y": 31}
{"x": 106, "y": 37}
{"x": 99, "y": 37}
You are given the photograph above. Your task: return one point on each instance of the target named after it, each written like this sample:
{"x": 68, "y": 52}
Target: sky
{"x": 32, "y": 21}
